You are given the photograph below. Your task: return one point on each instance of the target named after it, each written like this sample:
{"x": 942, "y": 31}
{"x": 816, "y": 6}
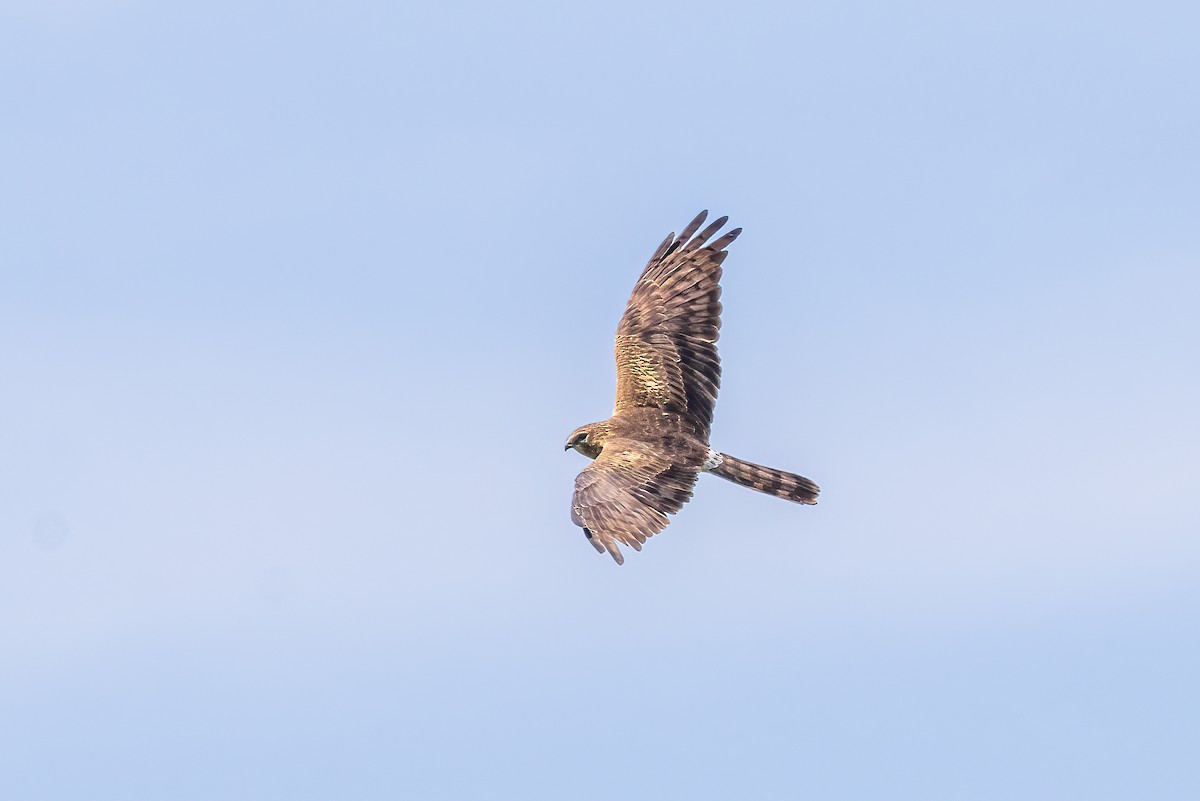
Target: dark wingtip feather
{"x": 703, "y": 236}
{"x": 725, "y": 241}
{"x": 587, "y": 532}
{"x": 662, "y": 248}
{"x": 693, "y": 226}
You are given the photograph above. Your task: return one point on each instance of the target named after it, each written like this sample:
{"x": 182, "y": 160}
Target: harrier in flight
{"x": 648, "y": 455}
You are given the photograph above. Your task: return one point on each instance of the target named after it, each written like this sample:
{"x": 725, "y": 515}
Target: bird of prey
{"x": 649, "y": 454}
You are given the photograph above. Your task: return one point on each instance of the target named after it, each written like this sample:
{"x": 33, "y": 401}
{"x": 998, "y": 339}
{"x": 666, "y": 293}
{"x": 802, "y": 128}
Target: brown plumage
{"x": 649, "y": 454}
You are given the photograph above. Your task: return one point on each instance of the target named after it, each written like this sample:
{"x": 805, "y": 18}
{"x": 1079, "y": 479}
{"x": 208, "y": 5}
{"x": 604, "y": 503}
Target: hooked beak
{"x": 567, "y": 447}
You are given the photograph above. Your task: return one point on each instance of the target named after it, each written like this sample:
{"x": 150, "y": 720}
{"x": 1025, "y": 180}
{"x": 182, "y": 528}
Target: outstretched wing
{"x": 666, "y": 346}
{"x": 626, "y": 494}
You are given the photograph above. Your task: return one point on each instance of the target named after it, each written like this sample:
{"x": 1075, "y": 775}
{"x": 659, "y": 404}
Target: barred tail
{"x": 788, "y": 486}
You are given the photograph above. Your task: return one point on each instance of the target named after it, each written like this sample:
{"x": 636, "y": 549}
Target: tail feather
{"x": 788, "y": 486}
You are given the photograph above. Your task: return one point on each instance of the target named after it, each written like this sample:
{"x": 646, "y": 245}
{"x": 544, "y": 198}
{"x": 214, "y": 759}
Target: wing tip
{"x": 692, "y": 227}
{"x": 726, "y": 240}
{"x": 606, "y": 545}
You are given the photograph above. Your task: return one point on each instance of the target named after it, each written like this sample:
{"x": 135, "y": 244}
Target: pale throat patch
{"x": 712, "y": 461}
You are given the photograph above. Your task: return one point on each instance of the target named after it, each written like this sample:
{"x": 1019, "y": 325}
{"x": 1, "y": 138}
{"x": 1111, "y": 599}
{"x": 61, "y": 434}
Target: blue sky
{"x": 297, "y": 306}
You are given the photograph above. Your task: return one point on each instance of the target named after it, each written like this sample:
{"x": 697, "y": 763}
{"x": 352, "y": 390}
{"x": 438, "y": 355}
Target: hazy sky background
{"x": 298, "y": 303}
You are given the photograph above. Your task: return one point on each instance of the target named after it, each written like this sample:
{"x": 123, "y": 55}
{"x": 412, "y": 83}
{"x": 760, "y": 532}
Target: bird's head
{"x": 585, "y": 440}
